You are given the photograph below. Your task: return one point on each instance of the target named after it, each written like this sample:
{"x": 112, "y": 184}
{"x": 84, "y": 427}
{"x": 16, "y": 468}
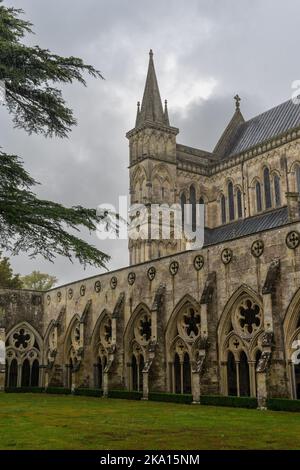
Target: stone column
{"x": 252, "y": 375}
{"x": 196, "y": 383}
{"x": 2, "y": 359}
{"x": 145, "y": 385}
{"x": 105, "y": 384}
{"x": 262, "y": 392}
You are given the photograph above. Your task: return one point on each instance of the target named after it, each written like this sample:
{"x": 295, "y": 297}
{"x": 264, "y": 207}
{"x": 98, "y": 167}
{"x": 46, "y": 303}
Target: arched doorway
{"x": 231, "y": 375}
{"x": 13, "y": 374}
{"x": 25, "y": 374}
{"x": 244, "y": 375}
{"x": 186, "y": 374}
{"x": 35, "y": 373}
{"x": 141, "y": 367}
{"x": 134, "y": 369}
{"x": 177, "y": 374}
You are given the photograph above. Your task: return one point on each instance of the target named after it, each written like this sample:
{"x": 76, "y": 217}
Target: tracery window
{"x": 239, "y": 203}
{"x": 231, "y": 200}
{"x": 193, "y": 207}
{"x": 297, "y": 170}
{"x": 103, "y": 344}
{"x": 223, "y": 209}
{"x": 267, "y": 188}
{"x": 258, "y": 197}
{"x": 23, "y": 358}
{"x": 241, "y": 336}
{"x": 277, "y": 191}
{"x": 182, "y": 203}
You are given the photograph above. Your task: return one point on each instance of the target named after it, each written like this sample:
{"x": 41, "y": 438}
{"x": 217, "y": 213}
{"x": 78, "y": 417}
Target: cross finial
{"x": 151, "y": 53}
{"x": 138, "y": 106}
{"x": 237, "y": 101}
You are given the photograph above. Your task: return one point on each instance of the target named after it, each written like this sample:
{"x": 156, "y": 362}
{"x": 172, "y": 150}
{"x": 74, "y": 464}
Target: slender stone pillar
{"x": 145, "y": 385}
{"x": 196, "y": 384}
{"x": 262, "y": 392}
{"x": 105, "y": 384}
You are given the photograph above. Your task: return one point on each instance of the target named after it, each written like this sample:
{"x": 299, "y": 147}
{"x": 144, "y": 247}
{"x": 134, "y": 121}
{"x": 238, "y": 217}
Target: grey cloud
{"x": 248, "y": 47}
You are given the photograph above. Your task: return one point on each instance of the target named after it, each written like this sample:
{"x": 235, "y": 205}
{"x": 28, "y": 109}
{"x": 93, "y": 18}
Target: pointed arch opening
{"x": 244, "y": 375}
{"x": 223, "y": 209}
{"x": 239, "y": 203}
{"x": 231, "y": 209}
{"x": 267, "y": 188}
{"x": 193, "y": 207}
{"x": 231, "y": 375}
{"x": 277, "y": 191}
{"x": 13, "y": 374}
{"x": 258, "y": 197}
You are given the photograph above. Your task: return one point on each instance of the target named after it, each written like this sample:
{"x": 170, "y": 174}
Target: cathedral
{"x": 220, "y": 320}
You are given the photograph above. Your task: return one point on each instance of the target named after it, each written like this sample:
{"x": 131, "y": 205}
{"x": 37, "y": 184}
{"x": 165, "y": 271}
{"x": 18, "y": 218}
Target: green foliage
{"x": 8, "y": 280}
{"x": 38, "y": 281}
{"x": 58, "y": 390}
{"x": 125, "y": 394}
{"x": 171, "y": 397}
{"x": 235, "y": 402}
{"x": 88, "y": 392}
{"x": 28, "y": 224}
{"x": 283, "y": 404}
{"x": 29, "y": 72}
{"x": 24, "y": 389}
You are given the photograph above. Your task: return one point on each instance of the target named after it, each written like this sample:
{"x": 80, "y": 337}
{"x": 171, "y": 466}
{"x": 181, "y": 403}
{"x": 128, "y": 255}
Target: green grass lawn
{"x": 40, "y": 421}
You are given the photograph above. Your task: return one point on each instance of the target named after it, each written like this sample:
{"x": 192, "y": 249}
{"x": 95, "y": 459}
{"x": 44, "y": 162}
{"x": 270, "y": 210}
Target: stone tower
{"x": 152, "y": 168}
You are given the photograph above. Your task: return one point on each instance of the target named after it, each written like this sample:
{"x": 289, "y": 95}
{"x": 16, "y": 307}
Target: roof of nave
{"x": 241, "y": 135}
{"x": 248, "y": 226}
{"x": 194, "y": 155}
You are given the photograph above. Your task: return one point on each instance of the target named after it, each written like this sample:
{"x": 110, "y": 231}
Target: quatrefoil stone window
{"x": 82, "y": 290}
{"x": 151, "y": 273}
{"x": 174, "y": 266}
{"x": 249, "y": 317}
{"x": 131, "y": 278}
{"x": 226, "y": 256}
{"x": 257, "y": 248}
{"x": 293, "y": 240}
{"x": 97, "y": 287}
{"x": 198, "y": 262}
{"x": 113, "y": 282}
{"x": 70, "y": 293}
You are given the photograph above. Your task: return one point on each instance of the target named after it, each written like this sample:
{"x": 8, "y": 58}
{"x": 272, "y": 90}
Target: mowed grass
{"x": 38, "y": 421}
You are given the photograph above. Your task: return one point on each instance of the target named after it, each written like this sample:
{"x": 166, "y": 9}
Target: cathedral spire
{"x": 166, "y": 114}
{"x": 151, "y": 109}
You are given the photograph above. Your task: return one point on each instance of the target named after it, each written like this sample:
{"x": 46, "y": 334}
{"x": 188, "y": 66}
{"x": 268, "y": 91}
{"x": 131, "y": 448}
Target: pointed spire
{"x": 166, "y": 114}
{"x": 138, "y": 113}
{"x": 151, "y": 109}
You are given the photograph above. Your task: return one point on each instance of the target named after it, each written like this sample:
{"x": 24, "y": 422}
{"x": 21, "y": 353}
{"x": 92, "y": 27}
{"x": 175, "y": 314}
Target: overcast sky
{"x": 205, "y": 51}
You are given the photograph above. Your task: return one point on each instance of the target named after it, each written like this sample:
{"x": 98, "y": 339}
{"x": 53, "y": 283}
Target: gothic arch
{"x": 138, "y": 337}
{"x": 75, "y": 319}
{"x": 101, "y": 341}
{"x": 239, "y": 332}
{"x": 50, "y": 344}
{"x": 24, "y": 354}
{"x": 182, "y": 335}
{"x": 291, "y": 330}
